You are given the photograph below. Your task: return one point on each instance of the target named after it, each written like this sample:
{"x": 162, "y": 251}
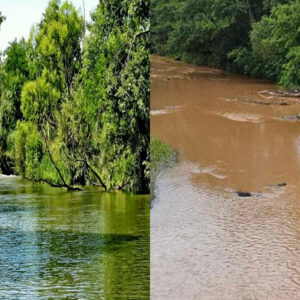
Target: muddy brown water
{"x": 206, "y": 241}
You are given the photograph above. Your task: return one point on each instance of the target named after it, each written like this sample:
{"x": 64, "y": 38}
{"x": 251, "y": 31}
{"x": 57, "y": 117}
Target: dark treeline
{"x": 74, "y": 98}
{"x": 256, "y": 37}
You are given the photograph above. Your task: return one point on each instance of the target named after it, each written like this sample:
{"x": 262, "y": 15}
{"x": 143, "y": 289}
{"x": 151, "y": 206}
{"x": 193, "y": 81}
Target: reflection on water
{"x": 87, "y": 245}
{"x": 206, "y": 241}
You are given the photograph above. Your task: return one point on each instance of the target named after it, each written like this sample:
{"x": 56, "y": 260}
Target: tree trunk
{"x": 251, "y": 16}
{"x": 70, "y": 188}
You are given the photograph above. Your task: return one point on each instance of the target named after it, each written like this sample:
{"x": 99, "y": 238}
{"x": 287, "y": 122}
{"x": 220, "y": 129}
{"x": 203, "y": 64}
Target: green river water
{"x": 56, "y": 244}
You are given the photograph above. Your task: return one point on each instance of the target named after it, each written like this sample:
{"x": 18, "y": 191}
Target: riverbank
{"x": 63, "y": 131}
{"x": 259, "y": 39}
{"x": 162, "y": 157}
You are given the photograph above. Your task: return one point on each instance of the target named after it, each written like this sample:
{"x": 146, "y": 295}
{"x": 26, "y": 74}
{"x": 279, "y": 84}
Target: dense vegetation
{"x": 260, "y": 38}
{"x": 74, "y": 106}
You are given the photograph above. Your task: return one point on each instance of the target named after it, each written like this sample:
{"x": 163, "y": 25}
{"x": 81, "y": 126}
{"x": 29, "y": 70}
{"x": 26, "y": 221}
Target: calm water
{"x": 206, "y": 241}
{"x": 80, "y": 245}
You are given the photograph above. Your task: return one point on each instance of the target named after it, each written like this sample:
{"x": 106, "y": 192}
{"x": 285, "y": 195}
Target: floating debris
{"x": 272, "y": 94}
{"x": 165, "y": 110}
{"x": 244, "y": 194}
{"x": 291, "y": 118}
{"x": 240, "y": 117}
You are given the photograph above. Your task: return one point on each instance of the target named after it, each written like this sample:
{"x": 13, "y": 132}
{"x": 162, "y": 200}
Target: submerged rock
{"x": 244, "y": 194}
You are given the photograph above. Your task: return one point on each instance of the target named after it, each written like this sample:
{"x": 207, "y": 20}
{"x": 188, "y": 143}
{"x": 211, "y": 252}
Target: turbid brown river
{"x": 207, "y": 242}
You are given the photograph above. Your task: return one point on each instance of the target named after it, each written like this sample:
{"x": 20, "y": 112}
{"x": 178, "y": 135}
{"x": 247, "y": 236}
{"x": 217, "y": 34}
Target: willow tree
{"x": 120, "y": 36}
{"x": 108, "y": 123}
{"x": 15, "y": 72}
{"x": 84, "y": 110}
{"x": 54, "y": 49}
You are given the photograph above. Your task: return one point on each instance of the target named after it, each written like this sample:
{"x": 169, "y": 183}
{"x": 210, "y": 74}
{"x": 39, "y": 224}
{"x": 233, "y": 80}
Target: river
{"x": 56, "y": 244}
{"x": 207, "y": 242}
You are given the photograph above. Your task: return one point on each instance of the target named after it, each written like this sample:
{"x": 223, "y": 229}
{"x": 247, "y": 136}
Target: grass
{"x": 162, "y": 156}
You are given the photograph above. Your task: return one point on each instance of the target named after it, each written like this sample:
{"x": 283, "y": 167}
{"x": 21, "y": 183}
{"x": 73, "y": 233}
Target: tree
{"x": 164, "y": 16}
{"x": 80, "y": 110}
{"x": 15, "y": 71}
{"x": 114, "y": 97}
{"x": 203, "y": 31}
{"x": 209, "y": 32}
{"x": 275, "y": 43}
{"x": 56, "y": 57}
{"x": 58, "y": 42}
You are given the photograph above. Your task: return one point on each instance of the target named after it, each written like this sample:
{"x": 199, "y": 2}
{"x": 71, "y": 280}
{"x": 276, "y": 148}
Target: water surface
{"x": 72, "y": 245}
{"x": 206, "y": 241}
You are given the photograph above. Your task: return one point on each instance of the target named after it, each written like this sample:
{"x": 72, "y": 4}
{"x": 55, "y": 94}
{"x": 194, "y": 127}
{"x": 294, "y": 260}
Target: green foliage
{"x": 80, "y": 105}
{"x": 162, "y": 156}
{"x": 254, "y": 37}
{"x": 269, "y": 4}
{"x": 290, "y": 75}
{"x": 199, "y": 31}
{"x": 116, "y": 93}
{"x": 14, "y": 71}
{"x": 55, "y": 57}
{"x": 39, "y": 99}
{"x": 26, "y": 148}
{"x": 58, "y": 43}
{"x": 164, "y": 16}
{"x": 275, "y": 44}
